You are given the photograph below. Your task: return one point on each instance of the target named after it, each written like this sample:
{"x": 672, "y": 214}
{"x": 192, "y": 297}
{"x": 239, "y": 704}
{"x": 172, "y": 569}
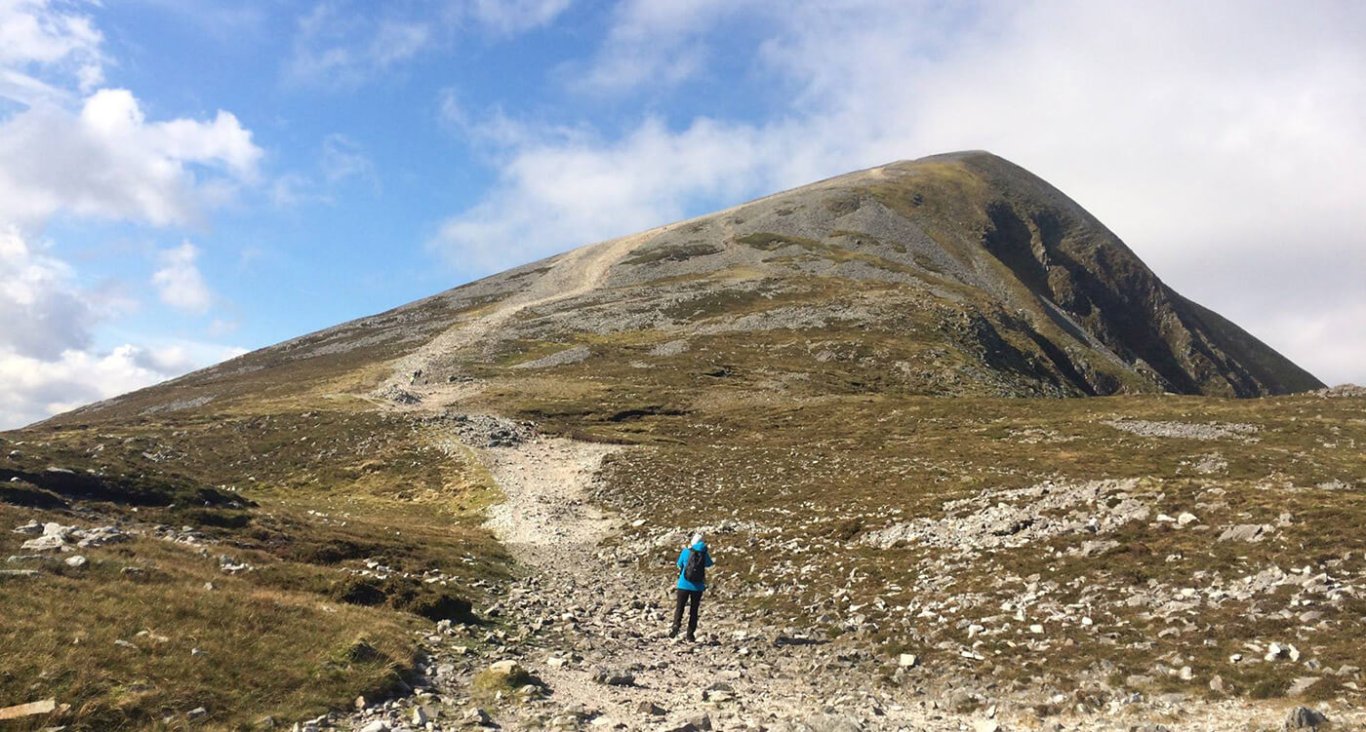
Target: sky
{"x": 182, "y": 181}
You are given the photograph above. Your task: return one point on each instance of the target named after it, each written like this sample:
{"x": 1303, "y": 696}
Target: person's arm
{"x": 682, "y": 559}
{"x": 707, "y": 556}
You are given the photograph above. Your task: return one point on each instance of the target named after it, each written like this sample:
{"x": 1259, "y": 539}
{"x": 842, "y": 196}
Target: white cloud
{"x": 343, "y": 158}
{"x": 515, "y": 16}
{"x": 343, "y": 44}
{"x": 655, "y": 44}
{"x": 73, "y": 149}
{"x": 179, "y": 282}
{"x": 48, "y": 360}
{"x": 40, "y": 38}
{"x": 43, "y": 310}
{"x": 338, "y": 46}
{"x": 340, "y": 159}
{"x": 108, "y": 161}
{"x": 39, "y": 388}
{"x": 1329, "y": 338}
{"x": 554, "y": 195}
{"x": 1222, "y": 141}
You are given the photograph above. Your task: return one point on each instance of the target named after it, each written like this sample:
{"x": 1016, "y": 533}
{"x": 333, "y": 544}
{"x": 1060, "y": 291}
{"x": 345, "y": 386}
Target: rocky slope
{"x": 958, "y": 274}
{"x": 585, "y": 644}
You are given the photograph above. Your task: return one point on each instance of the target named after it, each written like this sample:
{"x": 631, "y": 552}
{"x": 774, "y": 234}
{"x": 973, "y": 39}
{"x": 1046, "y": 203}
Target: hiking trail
{"x": 592, "y": 628}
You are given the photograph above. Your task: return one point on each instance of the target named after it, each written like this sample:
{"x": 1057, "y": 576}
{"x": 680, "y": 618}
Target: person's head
{"x": 696, "y": 539}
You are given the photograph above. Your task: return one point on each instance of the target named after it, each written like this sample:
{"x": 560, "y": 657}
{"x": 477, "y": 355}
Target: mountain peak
{"x": 953, "y": 274}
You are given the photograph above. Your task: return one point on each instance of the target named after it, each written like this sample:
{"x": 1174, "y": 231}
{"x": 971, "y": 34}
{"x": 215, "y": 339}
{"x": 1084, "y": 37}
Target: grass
{"x": 782, "y": 482}
{"x": 318, "y": 498}
{"x": 240, "y": 650}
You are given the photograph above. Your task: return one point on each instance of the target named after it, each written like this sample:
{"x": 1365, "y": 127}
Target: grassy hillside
{"x": 276, "y": 564}
{"x": 958, "y": 530}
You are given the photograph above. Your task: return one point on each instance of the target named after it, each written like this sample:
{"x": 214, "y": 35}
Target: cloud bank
{"x": 48, "y": 361}
{"x": 74, "y": 149}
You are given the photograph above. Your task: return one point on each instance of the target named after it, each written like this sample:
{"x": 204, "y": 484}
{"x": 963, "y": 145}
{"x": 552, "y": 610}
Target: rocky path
{"x": 573, "y": 274}
{"x": 605, "y": 656}
{"x": 590, "y": 630}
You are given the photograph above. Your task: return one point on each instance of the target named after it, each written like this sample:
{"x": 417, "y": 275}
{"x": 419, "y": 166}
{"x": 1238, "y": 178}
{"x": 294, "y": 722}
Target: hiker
{"x": 692, "y": 580}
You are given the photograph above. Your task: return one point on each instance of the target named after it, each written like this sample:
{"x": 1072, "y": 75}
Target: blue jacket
{"x": 683, "y": 562}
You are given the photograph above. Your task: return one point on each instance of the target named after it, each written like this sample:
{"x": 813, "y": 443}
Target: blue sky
{"x": 181, "y": 181}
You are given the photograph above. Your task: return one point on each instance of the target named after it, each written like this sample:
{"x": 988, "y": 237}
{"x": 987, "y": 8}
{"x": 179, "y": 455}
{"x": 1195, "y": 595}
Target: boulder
{"x": 1246, "y": 532}
{"x": 477, "y": 717}
{"x": 651, "y": 709}
{"x": 1301, "y": 685}
{"x": 45, "y": 543}
{"x": 614, "y": 677}
{"x": 1305, "y": 718}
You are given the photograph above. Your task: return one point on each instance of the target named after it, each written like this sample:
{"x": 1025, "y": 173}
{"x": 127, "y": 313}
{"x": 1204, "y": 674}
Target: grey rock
{"x": 197, "y": 713}
{"x": 378, "y": 725}
{"x": 1305, "y": 718}
{"x": 699, "y": 722}
{"x": 612, "y": 677}
{"x": 477, "y": 717}
{"x": 651, "y": 709}
{"x": 45, "y": 543}
{"x": 99, "y": 536}
{"x": 1246, "y": 532}
{"x": 1301, "y": 685}
{"x": 76, "y": 561}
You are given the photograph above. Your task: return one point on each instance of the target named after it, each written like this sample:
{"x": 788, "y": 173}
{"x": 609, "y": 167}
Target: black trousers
{"x": 693, "y": 599}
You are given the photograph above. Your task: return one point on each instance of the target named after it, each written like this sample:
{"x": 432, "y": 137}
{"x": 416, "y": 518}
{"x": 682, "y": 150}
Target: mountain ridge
{"x": 1049, "y": 299}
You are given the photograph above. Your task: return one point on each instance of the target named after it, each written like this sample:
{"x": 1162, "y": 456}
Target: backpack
{"x": 695, "y": 570}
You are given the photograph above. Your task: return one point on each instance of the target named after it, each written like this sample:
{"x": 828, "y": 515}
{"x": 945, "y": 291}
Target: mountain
{"x": 958, "y": 274}
{"x": 872, "y": 394}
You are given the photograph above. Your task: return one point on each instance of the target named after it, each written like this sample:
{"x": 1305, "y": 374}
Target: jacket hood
{"x": 700, "y": 546}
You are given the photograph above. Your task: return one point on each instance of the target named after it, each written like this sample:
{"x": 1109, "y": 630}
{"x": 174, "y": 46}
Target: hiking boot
{"x": 690, "y": 638}
{"x": 673, "y": 633}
